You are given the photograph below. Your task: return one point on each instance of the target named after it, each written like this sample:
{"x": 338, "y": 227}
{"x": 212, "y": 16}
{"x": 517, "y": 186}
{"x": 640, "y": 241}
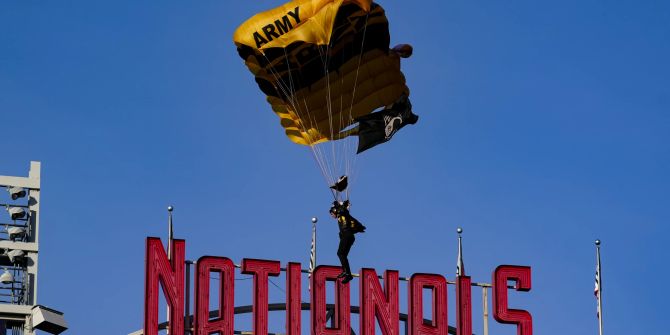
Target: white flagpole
{"x": 599, "y": 289}
{"x": 312, "y": 252}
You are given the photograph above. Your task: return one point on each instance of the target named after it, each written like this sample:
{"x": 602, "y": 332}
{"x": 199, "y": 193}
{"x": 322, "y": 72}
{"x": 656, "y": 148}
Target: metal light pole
{"x": 187, "y": 298}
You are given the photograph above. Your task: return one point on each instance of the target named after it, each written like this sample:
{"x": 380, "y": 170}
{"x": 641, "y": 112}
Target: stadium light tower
{"x": 19, "y": 242}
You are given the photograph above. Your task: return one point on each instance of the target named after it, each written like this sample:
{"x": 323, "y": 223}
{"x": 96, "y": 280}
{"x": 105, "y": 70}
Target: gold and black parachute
{"x": 322, "y": 64}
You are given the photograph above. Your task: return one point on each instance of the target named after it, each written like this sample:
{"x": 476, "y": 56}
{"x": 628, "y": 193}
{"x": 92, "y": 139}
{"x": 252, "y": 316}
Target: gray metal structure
{"x": 305, "y": 306}
{"x": 19, "y": 250}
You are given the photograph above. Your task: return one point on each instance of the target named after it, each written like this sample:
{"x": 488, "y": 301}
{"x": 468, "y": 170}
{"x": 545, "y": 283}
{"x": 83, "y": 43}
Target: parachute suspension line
{"x": 343, "y": 158}
{"x": 289, "y": 92}
{"x": 320, "y": 163}
{"x": 336, "y": 161}
{"x": 325, "y": 61}
{"x": 336, "y": 152}
{"x": 350, "y": 148}
{"x": 347, "y": 140}
{"x": 316, "y": 151}
{"x": 320, "y": 157}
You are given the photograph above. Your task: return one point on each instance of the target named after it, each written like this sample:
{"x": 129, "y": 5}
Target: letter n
{"x": 223, "y": 322}
{"x": 170, "y": 276}
{"x": 342, "y": 316}
{"x": 382, "y": 304}
{"x": 438, "y": 286}
{"x": 503, "y": 314}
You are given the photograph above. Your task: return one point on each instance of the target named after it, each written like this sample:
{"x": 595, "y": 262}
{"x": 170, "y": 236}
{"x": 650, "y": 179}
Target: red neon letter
{"x": 261, "y": 269}
{"x": 463, "y": 306}
{"x": 522, "y": 319}
{"x": 293, "y": 304}
{"x": 171, "y": 278}
{"x": 223, "y": 323}
{"x": 382, "y": 304}
{"x": 321, "y": 274}
{"x": 438, "y": 286}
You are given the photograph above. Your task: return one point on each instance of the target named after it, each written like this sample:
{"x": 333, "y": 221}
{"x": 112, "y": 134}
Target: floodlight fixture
{"x": 48, "y": 320}
{"x": 16, "y": 192}
{"x": 15, "y": 233}
{"x": 15, "y": 256}
{"x": 6, "y": 277}
{"x": 17, "y": 212}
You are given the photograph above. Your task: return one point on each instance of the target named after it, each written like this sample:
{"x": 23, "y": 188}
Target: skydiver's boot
{"x": 346, "y": 271}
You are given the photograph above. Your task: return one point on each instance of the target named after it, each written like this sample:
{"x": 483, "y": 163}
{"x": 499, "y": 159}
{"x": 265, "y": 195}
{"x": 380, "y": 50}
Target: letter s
{"x": 521, "y": 318}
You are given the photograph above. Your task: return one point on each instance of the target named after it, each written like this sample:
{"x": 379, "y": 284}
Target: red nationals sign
{"x": 377, "y": 303}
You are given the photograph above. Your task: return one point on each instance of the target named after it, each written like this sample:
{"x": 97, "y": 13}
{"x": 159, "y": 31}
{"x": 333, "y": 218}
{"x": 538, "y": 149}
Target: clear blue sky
{"x": 544, "y": 125}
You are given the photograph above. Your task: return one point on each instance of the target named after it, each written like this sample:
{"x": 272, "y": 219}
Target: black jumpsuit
{"x": 348, "y": 227}
{"x": 346, "y": 241}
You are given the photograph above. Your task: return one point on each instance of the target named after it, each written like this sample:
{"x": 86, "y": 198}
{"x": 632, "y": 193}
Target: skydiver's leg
{"x": 346, "y": 241}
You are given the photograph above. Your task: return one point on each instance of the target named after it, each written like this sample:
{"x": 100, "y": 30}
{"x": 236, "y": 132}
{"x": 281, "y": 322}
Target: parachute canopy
{"x": 322, "y": 64}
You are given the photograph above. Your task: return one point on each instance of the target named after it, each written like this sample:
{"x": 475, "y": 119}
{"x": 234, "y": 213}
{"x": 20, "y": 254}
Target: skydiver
{"x": 348, "y": 227}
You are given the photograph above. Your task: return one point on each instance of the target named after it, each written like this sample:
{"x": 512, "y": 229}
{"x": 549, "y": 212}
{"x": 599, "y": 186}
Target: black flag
{"x": 377, "y": 128}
